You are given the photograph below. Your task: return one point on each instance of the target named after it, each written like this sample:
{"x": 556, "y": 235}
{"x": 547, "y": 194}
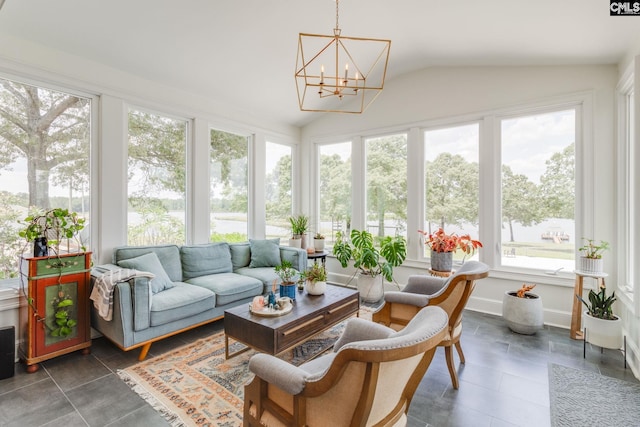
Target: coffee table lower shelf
{"x": 311, "y": 315}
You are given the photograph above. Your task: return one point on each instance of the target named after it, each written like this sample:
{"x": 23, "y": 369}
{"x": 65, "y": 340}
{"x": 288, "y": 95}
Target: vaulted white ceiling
{"x": 243, "y": 52}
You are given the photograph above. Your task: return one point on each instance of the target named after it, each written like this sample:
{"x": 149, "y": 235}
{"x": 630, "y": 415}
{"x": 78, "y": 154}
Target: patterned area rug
{"x": 195, "y": 386}
{"x": 582, "y": 398}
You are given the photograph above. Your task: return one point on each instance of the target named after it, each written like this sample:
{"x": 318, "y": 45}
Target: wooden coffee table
{"x": 311, "y": 314}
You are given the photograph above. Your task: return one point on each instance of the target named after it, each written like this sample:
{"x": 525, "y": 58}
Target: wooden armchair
{"x": 368, "y": 380}
{"x": 451, "y": 294}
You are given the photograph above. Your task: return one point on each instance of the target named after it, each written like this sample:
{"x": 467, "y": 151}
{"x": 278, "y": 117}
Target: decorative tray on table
{"x": 270, "y": 312}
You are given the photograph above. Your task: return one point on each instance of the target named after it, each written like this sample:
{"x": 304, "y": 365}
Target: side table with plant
{"x": 443, "y": 246}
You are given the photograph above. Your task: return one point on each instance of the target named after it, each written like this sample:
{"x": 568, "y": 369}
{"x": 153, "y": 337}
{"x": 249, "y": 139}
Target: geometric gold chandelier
{"x": 339, "y": 74}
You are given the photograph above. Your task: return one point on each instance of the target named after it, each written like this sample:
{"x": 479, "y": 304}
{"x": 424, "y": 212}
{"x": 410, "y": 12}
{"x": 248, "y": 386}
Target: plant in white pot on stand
{"x": 591, "y": 258}
{"x": 371, "y": 262}
{"x": 601, "y": 326}
{"x": 522, "y": 310}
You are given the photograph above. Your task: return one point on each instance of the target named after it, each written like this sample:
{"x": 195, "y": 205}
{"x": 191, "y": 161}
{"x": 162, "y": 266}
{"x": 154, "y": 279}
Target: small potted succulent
{"x": 315, "y": 279}
{"x": 522, "y": 310}
{"x": 443, "y": 245}
{"x": 602, "y": 327}
{"x": 591, "y": 258}
{"x": 318, "y": 242}
{"x": 299, "y": 228}
{"x": 287, "y": 275}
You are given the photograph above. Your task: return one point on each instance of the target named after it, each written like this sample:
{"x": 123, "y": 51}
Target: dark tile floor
{"x": 503, "y": 383}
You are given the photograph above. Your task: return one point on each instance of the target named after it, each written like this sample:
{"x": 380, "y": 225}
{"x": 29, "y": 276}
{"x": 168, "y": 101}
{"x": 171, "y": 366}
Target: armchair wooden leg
{"x": 460, "y": 353}
{"x": 144, "y": 351}
{"x": 448, "y": 352}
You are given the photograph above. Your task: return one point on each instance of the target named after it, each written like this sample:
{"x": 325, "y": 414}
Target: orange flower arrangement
{"x": 443, "y": 242}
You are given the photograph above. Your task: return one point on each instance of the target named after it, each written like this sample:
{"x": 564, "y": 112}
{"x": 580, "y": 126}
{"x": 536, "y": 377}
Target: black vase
{"x": 40, "y": 247}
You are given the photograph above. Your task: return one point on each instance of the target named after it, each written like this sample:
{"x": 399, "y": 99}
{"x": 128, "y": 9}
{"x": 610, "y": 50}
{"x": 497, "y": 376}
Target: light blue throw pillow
{"x": 265, "y": 253}
{"x": 151, "y": 263}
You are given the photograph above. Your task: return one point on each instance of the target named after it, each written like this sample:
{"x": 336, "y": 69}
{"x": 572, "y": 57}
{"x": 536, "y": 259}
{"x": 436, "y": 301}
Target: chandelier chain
{"x": 337, "y": 14}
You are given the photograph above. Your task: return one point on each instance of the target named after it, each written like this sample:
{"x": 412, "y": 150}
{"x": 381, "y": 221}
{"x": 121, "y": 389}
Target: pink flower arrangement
{"x": 443, "y": 242}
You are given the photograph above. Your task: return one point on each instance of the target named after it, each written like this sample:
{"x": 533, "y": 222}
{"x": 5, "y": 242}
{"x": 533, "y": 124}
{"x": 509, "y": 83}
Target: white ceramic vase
{"x": 370, "y": 288}
{"x": 591, "y": 265}
{"x": 602, "y": 332}
{"x": 315, "y": 288}
{"x": 318, "y": 245}
{"x": 295, "y": 242}
{"x": 523, "y": 315}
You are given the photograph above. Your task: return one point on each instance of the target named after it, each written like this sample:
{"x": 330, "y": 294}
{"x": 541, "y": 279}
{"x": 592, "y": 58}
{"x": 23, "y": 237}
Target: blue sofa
{"x": 193, "y": 285}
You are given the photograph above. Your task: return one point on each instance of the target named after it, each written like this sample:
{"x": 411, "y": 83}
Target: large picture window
{"x": 157, "y": 179}
{"x": 335, "y": 190}
{"x": 229, "y": 186}
{"x": 278, "y": 190}
{"x": 45, "y": 145}
{"x": 538, "y": 190}
{"x": 386, "y": 185}
{"x": 452, "y": 180}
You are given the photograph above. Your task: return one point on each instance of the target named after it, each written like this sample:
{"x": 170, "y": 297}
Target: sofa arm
{"x": 296, "y": 256}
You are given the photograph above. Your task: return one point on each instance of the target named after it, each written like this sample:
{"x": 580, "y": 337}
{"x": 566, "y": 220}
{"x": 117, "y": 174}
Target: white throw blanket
{"x": 102, "y": 293}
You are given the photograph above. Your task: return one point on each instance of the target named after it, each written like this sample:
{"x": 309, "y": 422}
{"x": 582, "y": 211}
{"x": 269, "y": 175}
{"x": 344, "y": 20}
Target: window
{"x": 278, "y": 190}
{"x": 157, "y": 179}
{"x": 538, "y": 190}
{"x": 45, "y": 139}
{"x": 386, "y": 185}
{"x": 452, "y": 180}
{"x": 334, "y": 190}
{"x": 229, "y": 186}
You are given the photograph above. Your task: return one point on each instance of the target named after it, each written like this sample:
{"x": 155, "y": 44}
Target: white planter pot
{"x": 603, "y": 333}
{"x": 370, "y": 288}
{"x": 315, "y": 288}
{"x": 295, "y": 243}
{"x": 591, "y": 265}
{"x": 523, "y": 315}
{"x": 318, "y": 244}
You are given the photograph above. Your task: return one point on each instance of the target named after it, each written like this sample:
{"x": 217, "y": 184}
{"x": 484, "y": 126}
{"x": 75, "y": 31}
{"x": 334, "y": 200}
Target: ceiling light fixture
{"x": 342, "y": 74}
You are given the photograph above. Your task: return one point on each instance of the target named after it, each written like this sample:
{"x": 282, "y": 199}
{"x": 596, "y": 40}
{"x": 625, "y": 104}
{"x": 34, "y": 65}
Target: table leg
{"x": 576, "y": 312}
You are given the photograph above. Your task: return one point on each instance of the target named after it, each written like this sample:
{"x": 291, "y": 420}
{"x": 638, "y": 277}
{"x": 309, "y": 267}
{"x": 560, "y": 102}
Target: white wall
{"x": 436, "y": 93}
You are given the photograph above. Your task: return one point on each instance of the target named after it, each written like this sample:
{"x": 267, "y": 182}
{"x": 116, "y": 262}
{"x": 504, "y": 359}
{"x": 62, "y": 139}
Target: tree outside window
{"x": 538, "y": 190}
{"x": 157, "y": 179}
{"x": 44, "y": 159}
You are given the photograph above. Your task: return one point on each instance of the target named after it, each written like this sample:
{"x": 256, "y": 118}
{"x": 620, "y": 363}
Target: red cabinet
{"x": 54, "y": 307}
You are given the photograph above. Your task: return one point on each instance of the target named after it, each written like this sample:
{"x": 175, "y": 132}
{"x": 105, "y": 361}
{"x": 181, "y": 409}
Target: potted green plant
{"x": 299, "y": 228}
{"x": 315, "y": 279}
{"x": 371, "y": 262}
{"x": 49, "y": 228}
{"x": 591, "y": 258}
{"x": 318, "y": 242}
{"x": 443, "y": 246}
{"x": 601, "y": 326}
{"x": 522, "y": 310}
{"x": 287, "y": 275}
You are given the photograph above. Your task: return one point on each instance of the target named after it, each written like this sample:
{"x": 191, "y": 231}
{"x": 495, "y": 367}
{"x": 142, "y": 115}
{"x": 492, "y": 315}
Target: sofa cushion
{"x": 201, "y": 260}
{"x": 169, "y": 256}
{"x": 150, "y": 262}
{"x": 264, "y": 253}
{"x": 183, "y": 300}
{"x": 265, "y": 274}
{"x": 229, "y": 287}
{"x": 240, "y": 255}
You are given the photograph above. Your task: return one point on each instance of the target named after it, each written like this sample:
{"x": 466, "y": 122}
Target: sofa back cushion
{"x": 202, "y": 260}
{"x": 169, "y": 256}
{"x": 264, "y": 253}
{"x": 149, "y": 262}
{"x": 240, "y": 255}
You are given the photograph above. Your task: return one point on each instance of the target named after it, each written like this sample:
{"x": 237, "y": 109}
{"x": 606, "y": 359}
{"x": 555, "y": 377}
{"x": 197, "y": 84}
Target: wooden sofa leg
{"x": 144, "y": 351}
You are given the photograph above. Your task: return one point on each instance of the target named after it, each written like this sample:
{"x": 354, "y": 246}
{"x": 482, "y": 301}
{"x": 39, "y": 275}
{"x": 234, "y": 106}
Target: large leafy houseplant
{"x": 368, "y": 258}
